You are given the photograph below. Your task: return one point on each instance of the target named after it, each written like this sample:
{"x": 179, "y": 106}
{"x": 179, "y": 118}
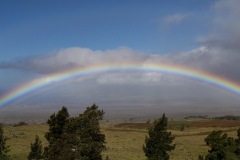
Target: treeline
{"x": 228, "y": 117}
{"x": 80, "y": 138}
{"x": 198, "y": 116}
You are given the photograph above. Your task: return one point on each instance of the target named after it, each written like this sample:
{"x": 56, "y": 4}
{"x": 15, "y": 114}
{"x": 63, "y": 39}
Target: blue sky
{"x": 38, "y": 38}
{"x": 36, "y": 27}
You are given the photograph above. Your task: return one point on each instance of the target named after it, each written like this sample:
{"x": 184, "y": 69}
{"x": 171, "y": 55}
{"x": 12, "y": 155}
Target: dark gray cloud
{"x": 223, "y": 40}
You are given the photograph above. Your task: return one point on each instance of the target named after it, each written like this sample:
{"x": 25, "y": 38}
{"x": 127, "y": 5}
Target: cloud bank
{"x": 217, "y": 60}
{"x": 218, "y": 52}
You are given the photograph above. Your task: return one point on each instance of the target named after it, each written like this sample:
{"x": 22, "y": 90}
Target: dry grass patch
{"x": 123, "y": 142}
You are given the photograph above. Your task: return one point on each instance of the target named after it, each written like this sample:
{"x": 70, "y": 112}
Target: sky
{"x": 40, "y": 38}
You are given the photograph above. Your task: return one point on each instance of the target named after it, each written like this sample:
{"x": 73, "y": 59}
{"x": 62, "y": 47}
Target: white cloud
{"x": 208, "y": 58}
{"x": 218, "y": 53}
{"x": 175, "y": 18}
{"x": 73, "y": 57}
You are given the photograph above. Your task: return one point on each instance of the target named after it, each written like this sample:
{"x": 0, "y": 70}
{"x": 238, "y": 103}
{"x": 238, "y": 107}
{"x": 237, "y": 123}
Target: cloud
{"x": 210, "y": 59}
{"x": 72, "y": 57}
{"x": 223, "y": 40}
{"x": 225, "y": 26}
{"x": 218, "y": 53}
{"x": 175, "y": 18}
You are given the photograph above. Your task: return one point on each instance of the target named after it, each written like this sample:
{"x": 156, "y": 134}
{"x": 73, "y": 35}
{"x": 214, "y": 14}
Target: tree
{"x": 74, "y": 138}
{"x": 4, "y": 149}
{"x": 36, "y": 150}
{"x": 56, "y": 124}
{"x": 238, "y": 135}
{"x": 159, "y": 142}
{"x": 221, "y": 146}
{"x": 83, "y": 132}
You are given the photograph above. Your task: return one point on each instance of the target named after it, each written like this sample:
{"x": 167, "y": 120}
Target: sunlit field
{"x": 125, "y": 140}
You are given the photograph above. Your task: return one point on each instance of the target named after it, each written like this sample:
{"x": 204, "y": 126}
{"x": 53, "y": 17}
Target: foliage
{"x": 182, "y": 128}
{"x": 75, "y": 137}
{"x": 222, "y": 147}
{"x": 228, "y": 117}
{"x": 21, "y": 123}
{"x": 4, "y": 149}
{"x": 36, "y": 150}
{"x": 159, "y": 142}
{"x": 85, "y": 135}
{"x": 56, "y": 124}
{"x": 198, "y": 116}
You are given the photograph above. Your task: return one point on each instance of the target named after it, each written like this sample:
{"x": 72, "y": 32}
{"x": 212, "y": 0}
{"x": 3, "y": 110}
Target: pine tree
{"x": 36, "y": 150}
{"x": 84, "y": 134}
{"x": 4, "y": 149}
{"x": 159, "y": 142}
{"x": 56, "y": 124}
{"x": 238, "y": 135}
{"x": 221, "y": 146}
{"x": 75, "y": 137}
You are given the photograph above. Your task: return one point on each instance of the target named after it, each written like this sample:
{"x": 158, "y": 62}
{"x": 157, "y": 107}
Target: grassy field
{"x": 125, "y": 140}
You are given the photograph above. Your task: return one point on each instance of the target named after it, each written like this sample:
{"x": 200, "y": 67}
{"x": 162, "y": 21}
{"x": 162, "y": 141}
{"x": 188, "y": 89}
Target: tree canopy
{"x": 36, "y": 150}
{"x": 75, "y": 137}
{"x": 159, "y": 142}
{"x": 4, "y": 149}
{"x": 222, "y": 147}
{"x": 54, "y": 137}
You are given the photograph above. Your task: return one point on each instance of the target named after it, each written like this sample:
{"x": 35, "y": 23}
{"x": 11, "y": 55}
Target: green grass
{"x": 21, "y": 137}
{"x": 177, "y": 125}
{"x": 122, "y": 143}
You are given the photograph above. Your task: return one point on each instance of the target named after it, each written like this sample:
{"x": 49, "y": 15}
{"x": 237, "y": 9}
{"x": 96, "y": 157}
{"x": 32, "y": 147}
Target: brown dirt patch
{"x": 124, "y": 130}
{"x": 134, "y": 125}
{"x": 215, "y": 123}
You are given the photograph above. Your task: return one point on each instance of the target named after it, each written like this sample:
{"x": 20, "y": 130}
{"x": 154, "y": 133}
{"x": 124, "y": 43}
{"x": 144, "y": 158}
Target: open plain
{"x": 124, "y": 141}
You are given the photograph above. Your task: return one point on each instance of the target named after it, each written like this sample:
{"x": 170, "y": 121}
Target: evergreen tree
{"x": 36, "y": 150}
{"x": 221, "y": 146}
{"x": 4, "y": 149}
{"x": 84, "y": 134}
{"x": 56, "y": 124}
{"x": 238, "y": 143}
{"x": 238, "y": 137}
{"x": 159, "y": 142}
{"x": 76, "y": 137}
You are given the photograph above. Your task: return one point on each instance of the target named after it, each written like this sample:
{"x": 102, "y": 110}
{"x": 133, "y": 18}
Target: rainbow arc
{"x": 182, "y": 71}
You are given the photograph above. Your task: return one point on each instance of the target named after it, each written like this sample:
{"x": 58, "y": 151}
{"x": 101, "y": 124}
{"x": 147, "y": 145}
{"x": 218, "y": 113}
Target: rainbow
{"x": 36, "y": 84}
